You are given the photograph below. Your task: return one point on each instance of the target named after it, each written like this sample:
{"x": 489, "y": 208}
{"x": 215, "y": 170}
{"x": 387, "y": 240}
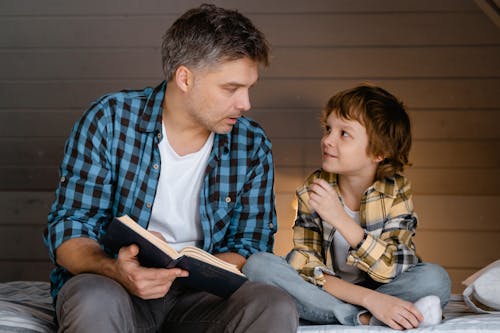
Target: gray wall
{"x": 440, "y": 56}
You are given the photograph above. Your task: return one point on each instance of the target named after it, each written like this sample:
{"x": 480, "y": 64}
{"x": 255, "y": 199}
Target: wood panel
{"x": 426, "y": 93}
{"x": 456, "y": 249}
{"x": 381, "y": 29}
{"x": 454, "y": 212}
{"x": 148, "y": 7}
{"x": 25, "y": 208}
{"x": 25, "y": 242}
{"x": 335, "y": 62}
{"x": 29, "y": 270}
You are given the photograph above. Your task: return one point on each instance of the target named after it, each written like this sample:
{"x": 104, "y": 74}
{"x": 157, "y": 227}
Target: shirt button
{"x": 148, "y": 205}
{"x": 271, "y": 225}
{"x": 155, "y": 166}
{"x": 63, "y": 179}
{"x": 228, "y": 199}
{"x": 158, "y": 135}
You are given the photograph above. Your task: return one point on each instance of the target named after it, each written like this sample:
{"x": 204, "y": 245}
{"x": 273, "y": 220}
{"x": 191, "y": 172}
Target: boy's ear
{"x": 378, "y": 158}
{"x": 183, "y": 78}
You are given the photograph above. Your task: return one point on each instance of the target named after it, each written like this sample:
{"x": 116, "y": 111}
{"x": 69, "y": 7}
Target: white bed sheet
{"x": 458, "y": 318}
{"x": 26, "y": 306}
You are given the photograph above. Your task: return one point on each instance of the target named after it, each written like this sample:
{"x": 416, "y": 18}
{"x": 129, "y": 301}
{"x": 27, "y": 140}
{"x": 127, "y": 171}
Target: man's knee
{"x": 270, "y": 305}
{"x": 87, "y": 298}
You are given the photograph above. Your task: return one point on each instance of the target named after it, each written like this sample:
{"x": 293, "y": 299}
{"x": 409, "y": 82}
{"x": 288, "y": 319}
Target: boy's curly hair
{"x": 386, "y": 121}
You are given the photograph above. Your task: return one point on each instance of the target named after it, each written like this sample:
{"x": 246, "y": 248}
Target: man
{"x": 182, "y": 161}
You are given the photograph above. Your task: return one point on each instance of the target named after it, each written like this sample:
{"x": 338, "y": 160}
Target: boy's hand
{"x": 392, "y": 311}
{"x": 325, "y": 201}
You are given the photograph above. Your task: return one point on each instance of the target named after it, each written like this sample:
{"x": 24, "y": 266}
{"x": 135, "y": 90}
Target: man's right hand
{"x": 146, "y": 283}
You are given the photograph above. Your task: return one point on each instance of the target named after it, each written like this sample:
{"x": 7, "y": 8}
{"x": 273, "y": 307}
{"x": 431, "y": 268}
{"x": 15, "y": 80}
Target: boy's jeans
{"x": 318, "y": 306}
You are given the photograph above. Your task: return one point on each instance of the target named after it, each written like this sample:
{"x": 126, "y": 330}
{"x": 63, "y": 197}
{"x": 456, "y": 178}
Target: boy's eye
{"x": 344, "y": 133}
{"x": 327, "y": 129}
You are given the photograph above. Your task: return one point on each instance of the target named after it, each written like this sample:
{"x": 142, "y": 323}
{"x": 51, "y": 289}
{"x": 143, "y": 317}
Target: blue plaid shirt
{"x": 112, "y": 165}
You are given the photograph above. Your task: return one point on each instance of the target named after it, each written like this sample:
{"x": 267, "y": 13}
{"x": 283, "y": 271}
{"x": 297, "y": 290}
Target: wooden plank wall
{"x": 440, "y": 56}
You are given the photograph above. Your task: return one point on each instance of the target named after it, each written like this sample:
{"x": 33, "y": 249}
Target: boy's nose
{"x": 329, "y": 140}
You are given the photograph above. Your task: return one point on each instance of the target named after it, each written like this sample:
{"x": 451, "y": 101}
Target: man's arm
{"x": 84, "y": 255}
{"x": 233, "y": 258}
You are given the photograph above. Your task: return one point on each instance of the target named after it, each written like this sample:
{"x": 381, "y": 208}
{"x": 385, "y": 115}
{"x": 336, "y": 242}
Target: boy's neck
{"x": 352, "y": 189}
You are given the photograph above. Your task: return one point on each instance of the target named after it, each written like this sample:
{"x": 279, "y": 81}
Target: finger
{"x": 323, "y": 184}
{"x": 412, "y": 318}
{"x": 403, "y": 321}
{"x": 128, "y": 251}
{"x": 394, "y": 325}
{"x": 413, "y": 310}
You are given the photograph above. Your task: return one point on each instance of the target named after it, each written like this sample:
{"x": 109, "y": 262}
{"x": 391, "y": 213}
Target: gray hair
{"x": 208, "y": 35}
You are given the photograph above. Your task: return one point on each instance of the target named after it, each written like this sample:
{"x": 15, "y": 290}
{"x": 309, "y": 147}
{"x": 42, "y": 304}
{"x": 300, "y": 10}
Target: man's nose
{"x": 244, "y": 101}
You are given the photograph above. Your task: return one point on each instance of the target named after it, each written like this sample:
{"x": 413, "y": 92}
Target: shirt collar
{"x": 152, "y": 113}
{"x": 386, "y": 186}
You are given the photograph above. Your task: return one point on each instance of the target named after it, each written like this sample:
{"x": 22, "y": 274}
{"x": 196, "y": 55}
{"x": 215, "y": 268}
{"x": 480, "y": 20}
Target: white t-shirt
{"x": 341, "y": 247}
{"x": 176, "y": 209}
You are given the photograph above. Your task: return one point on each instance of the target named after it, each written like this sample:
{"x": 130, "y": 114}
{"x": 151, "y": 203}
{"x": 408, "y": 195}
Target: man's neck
{"x": 184, "y": 136}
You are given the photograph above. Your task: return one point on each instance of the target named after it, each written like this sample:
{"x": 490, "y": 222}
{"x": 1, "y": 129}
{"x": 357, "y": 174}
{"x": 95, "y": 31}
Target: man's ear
{"x": 183, "y": 78}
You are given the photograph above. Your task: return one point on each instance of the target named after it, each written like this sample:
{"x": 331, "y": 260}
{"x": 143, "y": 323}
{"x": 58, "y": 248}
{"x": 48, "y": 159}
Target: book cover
{"x": 206, "y": 272}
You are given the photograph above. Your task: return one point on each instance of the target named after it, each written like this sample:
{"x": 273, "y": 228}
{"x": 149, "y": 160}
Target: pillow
{"x": 483, "y": 289}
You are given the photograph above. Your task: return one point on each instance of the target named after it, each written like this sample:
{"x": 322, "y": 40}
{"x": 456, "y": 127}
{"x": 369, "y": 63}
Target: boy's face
{"x": 220, "y": 94}
{"x": 344, "y": 148}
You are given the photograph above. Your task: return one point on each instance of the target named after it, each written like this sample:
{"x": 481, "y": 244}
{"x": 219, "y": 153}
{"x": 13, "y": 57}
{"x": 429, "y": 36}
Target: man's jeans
{"x": 94, "y": 303}
{"x": 318, "y": 306}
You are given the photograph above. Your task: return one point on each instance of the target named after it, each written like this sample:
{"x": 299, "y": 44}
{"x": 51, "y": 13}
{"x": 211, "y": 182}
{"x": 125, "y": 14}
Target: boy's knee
{"x": 439, "y": 282}
{"x": 258, "y": 266}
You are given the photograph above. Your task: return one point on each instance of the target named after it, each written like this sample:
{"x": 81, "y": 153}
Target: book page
{"x": 162, "y": 245}
{"x": 202, "y": 255}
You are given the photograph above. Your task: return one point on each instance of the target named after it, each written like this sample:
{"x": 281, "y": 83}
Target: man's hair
{"x": 208, "y": 35}
{"x": 386, "y": 121}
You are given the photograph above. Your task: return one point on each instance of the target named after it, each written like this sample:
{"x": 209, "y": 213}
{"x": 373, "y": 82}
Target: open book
{"x": 206, "y": 272}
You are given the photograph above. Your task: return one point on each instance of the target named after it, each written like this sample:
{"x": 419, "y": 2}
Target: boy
{"x": 354, "y": 230}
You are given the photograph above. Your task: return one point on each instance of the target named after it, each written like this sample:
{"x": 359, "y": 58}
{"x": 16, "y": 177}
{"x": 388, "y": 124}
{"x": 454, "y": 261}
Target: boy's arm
{"x": 307, "y": 256}
{"x": 393, "y": 252}
{"x": 395, "y": 312}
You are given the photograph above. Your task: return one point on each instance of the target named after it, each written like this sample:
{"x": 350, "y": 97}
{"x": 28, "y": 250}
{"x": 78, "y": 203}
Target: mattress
{"x": 26, "y": 306}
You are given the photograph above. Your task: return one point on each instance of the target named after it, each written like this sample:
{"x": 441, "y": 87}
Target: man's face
{"x": 220, "y": 94}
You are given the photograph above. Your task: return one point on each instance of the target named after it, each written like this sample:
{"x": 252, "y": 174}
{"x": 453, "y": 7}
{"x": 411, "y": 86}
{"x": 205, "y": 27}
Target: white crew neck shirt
{"x": 176, "y": 208}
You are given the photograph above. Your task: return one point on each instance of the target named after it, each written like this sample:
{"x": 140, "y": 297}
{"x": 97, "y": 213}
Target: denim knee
{"x": 260, "y": 266}
{"x": 440, "y": 283}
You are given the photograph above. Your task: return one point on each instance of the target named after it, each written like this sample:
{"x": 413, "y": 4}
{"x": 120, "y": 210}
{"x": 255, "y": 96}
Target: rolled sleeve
{"x": 84, "y": 192}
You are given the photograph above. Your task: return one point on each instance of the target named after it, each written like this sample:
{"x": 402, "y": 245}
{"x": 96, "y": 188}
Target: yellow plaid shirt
{"x": 389, "y": 222}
